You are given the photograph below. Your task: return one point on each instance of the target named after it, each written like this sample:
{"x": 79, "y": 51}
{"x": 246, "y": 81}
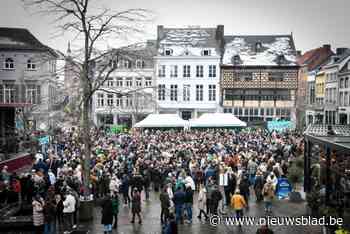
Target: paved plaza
{"x": 151, "y": 220}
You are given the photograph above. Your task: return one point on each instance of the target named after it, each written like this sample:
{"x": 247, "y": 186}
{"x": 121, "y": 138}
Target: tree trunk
{"x": 87, "y": 147}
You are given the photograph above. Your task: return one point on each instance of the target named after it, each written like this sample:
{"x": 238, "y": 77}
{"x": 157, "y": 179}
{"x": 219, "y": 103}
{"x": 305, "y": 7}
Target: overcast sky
{"x": 313, "y": 22}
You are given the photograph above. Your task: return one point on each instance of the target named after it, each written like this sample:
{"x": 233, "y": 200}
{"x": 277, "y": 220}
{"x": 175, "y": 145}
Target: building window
{"x": 126, "y": 64}
{"x": 341, "y": 98}
{"x": 31, "y": 65}
{"x": 168, "y": 52}
{"x": 341, "y": 83}
{"x": 212, "y": 70}
{"x": 262, "y": 112}
{"x": 161, "y": 92}
{"x": 186, "y": 92}
{"x": 346, "y": 99}
{"x": 199, "y": 71}
{"x": 275, "y": 76}
{"x": 118, "y": 100}
{"x": 128, "y": 82}
{"x": 173, "y": 92}
{"x": 119, "y": 82}
{"x": 187, "y": 71}
{"x": 128, "y": 101}
{"x": 148, "y": 81}
{"x": 206, "y": 52}
{"x": 9, "y": 63}
{"x": 110, "y": 82}
{"x": 235, "y": 111}
{"x": 161, "y": 71}
{"x": 173, "y": 71}
{"x": 212, "y": 92}
{"x": 140, "y": 64}
{"x": 110, "y": 99}
{"x": 139, "y": 82}
{"x": 199, "y": 92}
{"x": 31, "y": 95}
{"x": 100, "y": 100}
{"x": 346, "y": 84}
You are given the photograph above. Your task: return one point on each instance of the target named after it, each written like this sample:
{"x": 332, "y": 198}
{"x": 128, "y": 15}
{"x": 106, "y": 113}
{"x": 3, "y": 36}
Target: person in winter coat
{"x": 38, "y": 214}
{"x": 188, "y": 202}
{"x": 238, "y": 203}
{"x": 202, "y": 200}
{"x": 268, "y": 193}
{"x": 124, "y": 189}
{"x": 216, "y": 197}
{"x": 165, "y": 205}
{"x": 115, "y": 208}
{"x": 244, "y": 188}
{"x": 50, "y": 216}
{"x": 258, "y": 186}
{"x": 107, "y": 215}
{"x": 136, "y": 205}
{"x": 171, "y": 227}
{"x": 179, "y": 200}
{"x": 230, "y": 187}
{"x": 68, "y": 211}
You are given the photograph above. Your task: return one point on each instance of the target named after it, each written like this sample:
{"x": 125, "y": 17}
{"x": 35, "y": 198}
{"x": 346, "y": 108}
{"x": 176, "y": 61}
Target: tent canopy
{"x": 217, "y": 120}
{"x": 162, "y": 121}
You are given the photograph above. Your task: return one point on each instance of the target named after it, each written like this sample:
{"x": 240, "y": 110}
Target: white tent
{"x": 217, "y": 120}
{"x": 162, "y": 121}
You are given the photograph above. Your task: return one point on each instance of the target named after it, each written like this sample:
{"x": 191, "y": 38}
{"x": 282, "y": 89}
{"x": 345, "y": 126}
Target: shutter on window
{"x": 38, "y": 97}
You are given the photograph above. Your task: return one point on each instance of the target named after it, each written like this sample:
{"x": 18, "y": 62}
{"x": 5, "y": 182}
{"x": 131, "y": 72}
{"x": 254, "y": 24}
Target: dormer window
{"x": 236, "y": 60}
{"x": 258, "y": 46}
{"x": 280, "y": 59}
{"x": 168, "y": 52}
{"x": 31, "y": 65}
{"x": 140, "y": 63}
{"x": 9, "y": 63}
{"x": 206, "y": 52}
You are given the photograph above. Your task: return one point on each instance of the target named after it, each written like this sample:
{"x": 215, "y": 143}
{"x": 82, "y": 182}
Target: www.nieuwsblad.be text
{"x": 216, "y": 220}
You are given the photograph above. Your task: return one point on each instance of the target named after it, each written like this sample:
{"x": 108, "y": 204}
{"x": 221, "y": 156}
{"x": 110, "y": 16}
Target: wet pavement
{"x": 151, "y": 220}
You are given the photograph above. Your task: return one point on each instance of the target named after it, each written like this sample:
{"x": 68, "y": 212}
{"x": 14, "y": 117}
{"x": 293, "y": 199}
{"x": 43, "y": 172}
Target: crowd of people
{"x": 225, "y": 167}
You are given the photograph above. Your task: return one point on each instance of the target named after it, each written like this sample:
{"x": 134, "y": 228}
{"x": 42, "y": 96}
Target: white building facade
{"x": 129, "y": 94}
{"x": 188, "y": 70}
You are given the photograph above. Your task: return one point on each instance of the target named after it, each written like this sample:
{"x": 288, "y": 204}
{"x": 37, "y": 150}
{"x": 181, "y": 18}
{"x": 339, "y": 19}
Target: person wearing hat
{"x": 238, "y": 203}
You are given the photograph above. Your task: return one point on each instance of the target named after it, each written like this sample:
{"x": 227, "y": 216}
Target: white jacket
{"x": 69, "y": 204}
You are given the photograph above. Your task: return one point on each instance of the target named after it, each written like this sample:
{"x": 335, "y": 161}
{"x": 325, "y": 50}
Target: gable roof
{"x": 274, "y": 50}
{"x": 21, "y": 39}
{"x": 315, "y": 58}
{"x": 189, "y": 41}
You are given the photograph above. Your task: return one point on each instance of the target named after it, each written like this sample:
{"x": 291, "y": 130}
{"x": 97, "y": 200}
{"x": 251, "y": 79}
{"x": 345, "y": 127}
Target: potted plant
{"x": 314, "y": 202}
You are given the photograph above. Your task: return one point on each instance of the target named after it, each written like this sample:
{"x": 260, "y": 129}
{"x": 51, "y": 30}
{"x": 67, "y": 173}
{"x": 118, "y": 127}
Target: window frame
{"x": 9, "y": 63}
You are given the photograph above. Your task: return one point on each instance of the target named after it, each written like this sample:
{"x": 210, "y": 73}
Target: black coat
{"x": 107, "y": 212}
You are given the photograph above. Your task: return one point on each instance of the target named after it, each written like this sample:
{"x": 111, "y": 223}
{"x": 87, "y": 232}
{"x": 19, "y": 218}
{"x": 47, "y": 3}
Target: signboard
{"x": 283, "y": 188}
{"x": 44, "y": 140}
{"x": 116, "y": 129}
{"x": 280, "y": 125}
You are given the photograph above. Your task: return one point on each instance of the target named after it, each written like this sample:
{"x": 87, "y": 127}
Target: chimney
{"x": 219, "y": 33}
{"x": 160, "y": 32}
{"x": 341, "y": 51}
{"x": 327, "y": 46}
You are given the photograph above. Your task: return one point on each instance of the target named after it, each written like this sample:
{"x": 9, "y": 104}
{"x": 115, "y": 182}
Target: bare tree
{"x": 92, "y": 25}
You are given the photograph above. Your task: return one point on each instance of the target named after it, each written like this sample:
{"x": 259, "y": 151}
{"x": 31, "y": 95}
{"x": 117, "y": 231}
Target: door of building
{"x": 186, "y": 115}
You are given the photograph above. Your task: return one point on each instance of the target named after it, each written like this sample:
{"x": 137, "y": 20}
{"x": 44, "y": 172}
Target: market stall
{"x": 217, "y": 120}
{"x": 162, "y": 121}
